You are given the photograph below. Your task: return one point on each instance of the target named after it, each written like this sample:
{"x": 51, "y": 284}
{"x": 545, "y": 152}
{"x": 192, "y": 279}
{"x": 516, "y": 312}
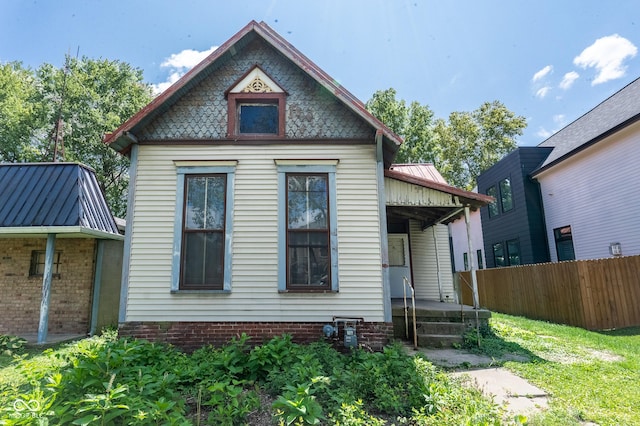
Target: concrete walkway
{"x": 516, "y": 394}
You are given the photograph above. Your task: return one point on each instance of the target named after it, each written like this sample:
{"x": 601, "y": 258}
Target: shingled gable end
{"x": 258, "y": 204}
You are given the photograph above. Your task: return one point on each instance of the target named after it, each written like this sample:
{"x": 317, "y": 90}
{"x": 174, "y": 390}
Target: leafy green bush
{"x": 11, "y": 345}
{"x": 106, "y": 380}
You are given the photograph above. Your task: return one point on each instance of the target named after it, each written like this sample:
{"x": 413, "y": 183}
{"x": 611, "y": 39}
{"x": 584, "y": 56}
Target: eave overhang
{"x": 60, "y": 231}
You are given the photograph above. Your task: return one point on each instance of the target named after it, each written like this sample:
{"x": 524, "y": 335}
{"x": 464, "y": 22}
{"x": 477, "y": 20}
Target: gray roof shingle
{"x": 616, "y": 110}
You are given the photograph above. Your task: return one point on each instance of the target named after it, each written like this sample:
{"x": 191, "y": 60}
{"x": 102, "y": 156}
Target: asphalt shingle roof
{"x": 621, "y": 107}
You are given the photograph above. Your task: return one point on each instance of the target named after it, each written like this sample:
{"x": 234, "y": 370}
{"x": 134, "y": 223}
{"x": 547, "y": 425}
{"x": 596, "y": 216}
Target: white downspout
{"x": 384, "y": 243}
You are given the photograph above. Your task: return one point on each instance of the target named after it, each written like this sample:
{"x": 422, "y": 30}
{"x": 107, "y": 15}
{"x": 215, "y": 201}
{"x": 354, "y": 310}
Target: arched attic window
{"x": 256, "y": 105}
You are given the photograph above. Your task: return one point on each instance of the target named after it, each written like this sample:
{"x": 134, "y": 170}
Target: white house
{"x": 589, "y": 182}
{"x": 262, "y": 200}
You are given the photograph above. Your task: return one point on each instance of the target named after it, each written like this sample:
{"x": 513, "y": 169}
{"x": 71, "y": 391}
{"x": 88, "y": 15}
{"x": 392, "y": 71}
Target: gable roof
{"x": 122, "y": 138}
{"x": 41, "y": 198}
{"x": 610, "y": 116}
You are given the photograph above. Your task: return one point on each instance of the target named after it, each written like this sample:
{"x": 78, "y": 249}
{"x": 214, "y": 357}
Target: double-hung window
{"x": 202, "y": 249}
{"x": 308, "y": 238}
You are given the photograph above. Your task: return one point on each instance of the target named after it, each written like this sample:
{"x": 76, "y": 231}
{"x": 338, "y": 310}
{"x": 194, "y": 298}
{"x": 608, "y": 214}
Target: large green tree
{"x": 79, "y": 103}
{"x": 461, "y": 147}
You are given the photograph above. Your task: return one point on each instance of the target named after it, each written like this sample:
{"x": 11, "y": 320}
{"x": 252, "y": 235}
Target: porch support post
{"x": 384, "y": 243}
{"x": 46, "y": 288}
{"x": 474, "y": 279}
{"x": 97, "y": 283}
{"x": 435, "y": 242}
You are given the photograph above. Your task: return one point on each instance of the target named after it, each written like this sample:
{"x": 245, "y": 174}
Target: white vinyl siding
{"x": 460, "y": 243}
{"x": 254, "y": 277}
{"x": 596, "y": 193}
{"x": 423, "y": 262}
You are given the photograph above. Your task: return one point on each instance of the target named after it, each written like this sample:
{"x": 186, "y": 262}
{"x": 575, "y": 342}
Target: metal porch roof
{"x": 53, "y": 198}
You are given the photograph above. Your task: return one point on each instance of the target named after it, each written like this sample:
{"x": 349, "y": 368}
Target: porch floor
{"x": 440, "y": 308}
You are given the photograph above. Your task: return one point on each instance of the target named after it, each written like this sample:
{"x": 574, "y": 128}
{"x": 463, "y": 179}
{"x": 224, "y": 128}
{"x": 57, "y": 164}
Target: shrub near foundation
{"x": 105, "y": 380}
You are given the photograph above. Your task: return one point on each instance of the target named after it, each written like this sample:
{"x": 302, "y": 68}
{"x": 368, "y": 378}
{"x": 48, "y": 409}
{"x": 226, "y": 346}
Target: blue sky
{"x": 549, "y": 61}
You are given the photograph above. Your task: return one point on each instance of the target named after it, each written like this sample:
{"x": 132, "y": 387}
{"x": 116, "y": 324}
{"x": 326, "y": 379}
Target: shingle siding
{"x": 311, "y": 112}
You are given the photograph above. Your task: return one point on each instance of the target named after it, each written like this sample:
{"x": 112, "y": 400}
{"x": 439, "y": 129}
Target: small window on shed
{"x": 38, "y": 261}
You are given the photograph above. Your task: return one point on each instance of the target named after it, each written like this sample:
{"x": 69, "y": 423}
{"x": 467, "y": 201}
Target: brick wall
{"x": 71, "y": 292}
{"x": 193, "y": 335}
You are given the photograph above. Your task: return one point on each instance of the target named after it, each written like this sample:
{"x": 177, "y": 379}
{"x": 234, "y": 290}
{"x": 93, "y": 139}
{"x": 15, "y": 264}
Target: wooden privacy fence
{"x": 594, "y": 294}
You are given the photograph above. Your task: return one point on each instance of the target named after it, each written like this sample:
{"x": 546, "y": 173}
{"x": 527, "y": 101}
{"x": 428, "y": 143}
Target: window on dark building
{"x": 498, "y": 255}
{"x": 513, "y": 252}
{"x": 479, "y": 256}
{"x": 506, "y": 195}
{"x": 493, "y": 206}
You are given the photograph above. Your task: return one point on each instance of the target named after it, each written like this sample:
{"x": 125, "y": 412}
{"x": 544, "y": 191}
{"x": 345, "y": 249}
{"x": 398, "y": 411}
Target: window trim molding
{"x": 236, "y": 99}
{"x": 327, "y": 167}
{"x": 184, "y": 168}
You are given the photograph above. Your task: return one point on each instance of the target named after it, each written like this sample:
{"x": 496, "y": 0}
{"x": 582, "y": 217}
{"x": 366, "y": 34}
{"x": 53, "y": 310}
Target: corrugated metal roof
{"x": 422, "y": 170}
{"x": 52, "y": 195}
{"x": 622, "y": 107}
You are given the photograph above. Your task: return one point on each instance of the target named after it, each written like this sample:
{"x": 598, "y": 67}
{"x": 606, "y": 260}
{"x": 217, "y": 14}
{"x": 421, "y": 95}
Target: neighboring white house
{"x": 263, "y": 201}
{"x": 460, "y": 243}
{"x": 590, "y": 184}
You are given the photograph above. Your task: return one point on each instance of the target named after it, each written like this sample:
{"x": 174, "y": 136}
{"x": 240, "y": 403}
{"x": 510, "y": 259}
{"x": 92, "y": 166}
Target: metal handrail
{"x": 405, "y": 283}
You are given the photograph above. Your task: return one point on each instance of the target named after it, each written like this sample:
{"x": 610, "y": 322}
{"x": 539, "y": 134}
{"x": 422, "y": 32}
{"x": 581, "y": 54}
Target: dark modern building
{"x": 513, "y": 225}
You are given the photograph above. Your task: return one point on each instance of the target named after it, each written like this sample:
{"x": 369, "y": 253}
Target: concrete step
{"x": 439, "y": 340}
{"x": 441, "y": 327}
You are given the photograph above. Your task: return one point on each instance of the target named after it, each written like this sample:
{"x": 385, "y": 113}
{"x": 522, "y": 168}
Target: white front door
{"x": 399, "y": 263}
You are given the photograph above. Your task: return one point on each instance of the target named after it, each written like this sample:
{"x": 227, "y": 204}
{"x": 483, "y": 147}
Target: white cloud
{"x": 560, "y": 120}
{"x": 542, "y": 92}
{"x": 178, "y": 64}
{"x": 607, "y": 56}
{"x": 543, "y": 133}
{"x": 568, "y": 80}
{"x": 542, "y": 73}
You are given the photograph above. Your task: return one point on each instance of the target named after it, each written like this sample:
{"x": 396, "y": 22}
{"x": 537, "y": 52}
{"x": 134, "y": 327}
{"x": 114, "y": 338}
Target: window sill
{"x": 212, "y": 292}
{"x": 306, "y": 291}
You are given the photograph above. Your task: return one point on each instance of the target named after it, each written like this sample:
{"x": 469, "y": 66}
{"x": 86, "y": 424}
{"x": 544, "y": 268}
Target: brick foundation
{"x": 189, "y": 336}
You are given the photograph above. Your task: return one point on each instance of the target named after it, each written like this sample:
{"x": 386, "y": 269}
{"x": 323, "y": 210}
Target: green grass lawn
{"x": 590, "y": 376}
